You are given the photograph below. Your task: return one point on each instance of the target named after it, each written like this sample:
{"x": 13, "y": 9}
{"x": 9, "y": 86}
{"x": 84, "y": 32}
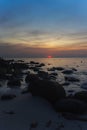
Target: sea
{"x": 80, "y": 64}
{"x": 67, "y": 63}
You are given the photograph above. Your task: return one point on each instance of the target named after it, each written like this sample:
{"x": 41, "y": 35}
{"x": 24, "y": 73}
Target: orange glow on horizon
{"x": 49, "y": 56}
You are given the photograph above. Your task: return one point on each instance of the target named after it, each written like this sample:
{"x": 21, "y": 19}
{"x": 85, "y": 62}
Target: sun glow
{"x": 49, "y": 56}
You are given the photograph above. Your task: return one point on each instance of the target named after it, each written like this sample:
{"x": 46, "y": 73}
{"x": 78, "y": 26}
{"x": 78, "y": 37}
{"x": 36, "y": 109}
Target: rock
{"x": 34, "y": 124}
{"x": 3, "y": 76}
{"x": 71, "y": 91}
{"x": 33, "y": 62}
{"x": 84, "y": 85}
{"x": 31, "y": 78}
{"x": 47, "y": 89}
{"x": 19, "y": 66}
{"x": 34, "y": 68}
{"x": 43, "y": 74}
{"x": 14, "y": 82}
{"x": 67, "y": 72}
{"x": 71, "y": 106}
{"x": 7, "y": 97}
{"x": 74, "y": 69}
{"x": 51, "y": 69}
{"x": 24, "y": 91}
{"x": 60, "y": 68}
{"x": 71, "y": 79}
{"x": 66, "y": 84}
{"x": 9, "y": 112}
{"x": 52, "y": 77}
{"x": 41, "y": 65}
{"x": 55, "y": 68}
{"x": 81, "y": 96}
{"x": 54, "y": 74}
{"x": 49, "y": 123}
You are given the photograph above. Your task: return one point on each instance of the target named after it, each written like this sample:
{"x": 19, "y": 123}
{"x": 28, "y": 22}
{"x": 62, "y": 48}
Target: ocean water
{"x": 67, "y": 63}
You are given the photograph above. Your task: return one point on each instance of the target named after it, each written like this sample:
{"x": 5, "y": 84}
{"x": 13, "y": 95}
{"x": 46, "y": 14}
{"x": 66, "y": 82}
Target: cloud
{"x": 18, "y": 50}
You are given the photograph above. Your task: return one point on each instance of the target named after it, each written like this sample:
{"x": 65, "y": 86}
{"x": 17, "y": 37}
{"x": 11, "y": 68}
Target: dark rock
{"x": 34, "y": 124}
{"x": 74, "y": 69}
{"x": 81, "y": 96}
{"x": 3, "y": 77}
{"x": 67, "y": 72}
{"x": 84, "y": 85}
{"x": 48, "y": 124}
{"x": 70, "y": 91}
{"x": 33, "y": 62}
{"x": 34, "y": 68}
{"x": 71, "y": 79}
{"x": 41, "y": 65}
{"x": 25, "y": 91}
{"x": 71, "y": 106}
{"x": 7, "y": 97}
{"x": 43, "y": 74}
{"x": 54, "y": 74}
{"x": 47, "y": 89}
{"x": 60, "y": 68}
{"x": 14, "y": 82}
{"x": 9, "y": 112}
{"x": 66, "y": 84}
{"x": 31, "y": 78}
{"x": 55, "y": 68}
{"x": 51, "y": 77}
{"x": 19, "y": 66}
{"x": 20, "y": 61}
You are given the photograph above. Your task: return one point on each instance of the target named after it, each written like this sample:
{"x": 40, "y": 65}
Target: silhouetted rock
{"x": 14, "y": 82}
{"x": 67, "y": 72}
{"x": 54, "y": 74}
{"x": 24, "y": 91}
{"x": 55, "y": 68}
{"x": 47, "y": 89}
{"x": 74, "y": 69}
{"x": 71, "y": 106}
{"x": 66, "y": 84}
{"x": 41, "y": 65}
{"x": 31, "y": 78}
{"x": 34, "y": 68}
{"x": 43, "y": 74}
{"x": 7, "y": 97}
{"x": 20, "y": 66}
{"x": 81, "y": 95}
{"x": 71, "y": 79}
{"x": 33, "y": 62}
{"x": 84, "y": 85}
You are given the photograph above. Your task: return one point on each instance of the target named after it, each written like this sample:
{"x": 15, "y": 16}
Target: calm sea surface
{"x": 67, "y": 63}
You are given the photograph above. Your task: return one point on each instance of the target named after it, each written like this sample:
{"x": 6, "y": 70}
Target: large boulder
{"x": 71, "y": 106}
{"x": 47, "y": 89}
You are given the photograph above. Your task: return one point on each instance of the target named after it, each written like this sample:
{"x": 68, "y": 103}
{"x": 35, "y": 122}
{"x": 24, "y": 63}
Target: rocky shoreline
{"x": 43, "y": 84}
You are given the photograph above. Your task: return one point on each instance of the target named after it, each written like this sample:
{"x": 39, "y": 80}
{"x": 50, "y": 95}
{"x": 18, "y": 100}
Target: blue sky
{"x": 56, "y": 27}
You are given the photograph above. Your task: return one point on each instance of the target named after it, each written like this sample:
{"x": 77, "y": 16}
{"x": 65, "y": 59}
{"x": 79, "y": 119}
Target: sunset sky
{"x": 38, "y": 28}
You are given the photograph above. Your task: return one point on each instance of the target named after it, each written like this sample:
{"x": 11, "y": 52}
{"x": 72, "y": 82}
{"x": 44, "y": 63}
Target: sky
{"x": 38, "y": 28}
